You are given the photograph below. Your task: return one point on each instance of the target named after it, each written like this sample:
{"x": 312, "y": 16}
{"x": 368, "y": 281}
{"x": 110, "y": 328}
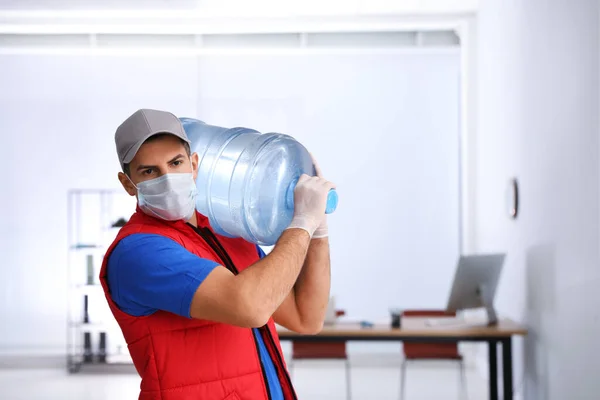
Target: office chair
{"x": 322, "y": 351}
{"x": 431, "y": 351}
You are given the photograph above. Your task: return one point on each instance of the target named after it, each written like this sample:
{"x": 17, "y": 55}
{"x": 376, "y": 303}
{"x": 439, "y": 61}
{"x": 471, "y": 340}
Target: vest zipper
{"x": 210, "y": 239}
{"x": 221, "y": 251}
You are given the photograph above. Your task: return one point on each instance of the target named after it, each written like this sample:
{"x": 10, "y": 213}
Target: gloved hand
{"x": 322, "y": 230}
{"x": 310, "y": 201}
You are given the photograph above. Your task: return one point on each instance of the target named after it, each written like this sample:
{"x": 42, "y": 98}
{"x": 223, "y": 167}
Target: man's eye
{"x": 147, "y": 172}
{"x": 177, "y": 163}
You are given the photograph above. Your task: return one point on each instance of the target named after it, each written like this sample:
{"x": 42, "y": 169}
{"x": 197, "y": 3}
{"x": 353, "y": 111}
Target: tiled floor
{"x": 372, "y": 378}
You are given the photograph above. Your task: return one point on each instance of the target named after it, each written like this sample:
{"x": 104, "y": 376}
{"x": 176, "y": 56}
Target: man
{"x": 197, "y": 310}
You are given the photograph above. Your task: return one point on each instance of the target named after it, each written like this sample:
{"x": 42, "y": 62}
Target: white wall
{"x": 384, "y": 126}
{"x": 538, "y": 121}
{"x": 57, "y": 121}
{"x": 368, "y": 119}
{"x": 87, "y": 125}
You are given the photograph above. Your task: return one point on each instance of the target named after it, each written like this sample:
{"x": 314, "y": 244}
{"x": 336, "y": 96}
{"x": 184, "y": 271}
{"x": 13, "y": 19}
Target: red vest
{"x": 188, "y": 359}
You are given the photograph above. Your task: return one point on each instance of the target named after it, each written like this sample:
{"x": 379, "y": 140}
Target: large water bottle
{"x": 246, "y": 179}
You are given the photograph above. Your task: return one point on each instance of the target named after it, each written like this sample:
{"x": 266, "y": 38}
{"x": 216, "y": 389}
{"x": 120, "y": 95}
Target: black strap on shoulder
{"x": 210, "y": 239}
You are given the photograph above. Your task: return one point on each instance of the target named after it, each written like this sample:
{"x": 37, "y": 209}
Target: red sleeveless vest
{"x": 188, "y": 359}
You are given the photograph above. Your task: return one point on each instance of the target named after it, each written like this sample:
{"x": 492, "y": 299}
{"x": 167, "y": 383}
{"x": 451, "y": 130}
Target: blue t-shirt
{"x": 147, "y": 273}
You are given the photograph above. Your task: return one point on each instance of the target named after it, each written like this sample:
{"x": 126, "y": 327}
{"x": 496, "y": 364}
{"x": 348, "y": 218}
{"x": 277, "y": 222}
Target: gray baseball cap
{"x": 141, "y": 125}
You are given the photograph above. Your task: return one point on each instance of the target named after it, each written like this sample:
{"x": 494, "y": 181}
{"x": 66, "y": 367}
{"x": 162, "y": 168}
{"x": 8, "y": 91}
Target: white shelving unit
{"x": 93, "y": 335}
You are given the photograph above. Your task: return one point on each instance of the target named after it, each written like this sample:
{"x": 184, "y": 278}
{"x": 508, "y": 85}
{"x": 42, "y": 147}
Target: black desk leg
{"x": 493, "y": 360}
{"x": 507, "y": 374}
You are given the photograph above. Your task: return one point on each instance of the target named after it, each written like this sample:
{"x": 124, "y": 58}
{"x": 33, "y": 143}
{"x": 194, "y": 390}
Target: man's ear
{"x": 195, "y": 160}
{"x": 127, "y": 184}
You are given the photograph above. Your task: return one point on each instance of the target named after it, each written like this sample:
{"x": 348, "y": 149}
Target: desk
{"x": 416, "y": 330}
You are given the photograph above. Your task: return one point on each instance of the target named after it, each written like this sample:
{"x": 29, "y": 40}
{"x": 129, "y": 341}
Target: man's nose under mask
{"x": 171, "y": 197}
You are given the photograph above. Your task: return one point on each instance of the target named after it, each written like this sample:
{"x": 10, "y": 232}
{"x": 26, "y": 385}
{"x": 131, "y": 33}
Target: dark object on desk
{"x": 431, "y": 350}
{"x": 87, "y": 347}
{"x": 395, "y": 319}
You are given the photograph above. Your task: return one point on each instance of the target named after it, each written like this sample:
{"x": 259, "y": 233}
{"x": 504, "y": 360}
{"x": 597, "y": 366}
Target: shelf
{"x": 90, "y": 324}
{"x": 91, "y": 216}
{"x": 87, "y": 290}
{"x": 83, "y": 246}
{"x": 94, "y": 286}
{"x": 120, "y": 367}
{"x": 119, "y": 359}
{"x": 96, "y": 327}
{"x": 113, "y": 361}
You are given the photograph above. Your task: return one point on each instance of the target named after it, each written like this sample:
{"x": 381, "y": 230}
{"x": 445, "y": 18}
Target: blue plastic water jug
{"x": 246, "y": 179}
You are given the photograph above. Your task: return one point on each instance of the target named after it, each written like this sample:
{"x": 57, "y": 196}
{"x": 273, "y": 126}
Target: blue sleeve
{"x": 147, "y": 273}
{"x": 261, "y": 253}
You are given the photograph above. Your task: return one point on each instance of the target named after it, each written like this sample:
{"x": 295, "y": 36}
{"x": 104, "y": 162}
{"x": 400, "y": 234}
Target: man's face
{"x": 157, "y": 157}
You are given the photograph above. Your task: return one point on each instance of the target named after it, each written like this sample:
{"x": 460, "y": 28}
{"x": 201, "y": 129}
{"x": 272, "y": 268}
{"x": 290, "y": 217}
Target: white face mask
{"x": 170, "y": 197}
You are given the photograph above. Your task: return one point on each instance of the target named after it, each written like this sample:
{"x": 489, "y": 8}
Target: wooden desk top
{"x": 413, "y": 327}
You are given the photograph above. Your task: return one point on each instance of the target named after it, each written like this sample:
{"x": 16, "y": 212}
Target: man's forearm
{"x": 267, "y": 283}
{"x": 313, "y": 286}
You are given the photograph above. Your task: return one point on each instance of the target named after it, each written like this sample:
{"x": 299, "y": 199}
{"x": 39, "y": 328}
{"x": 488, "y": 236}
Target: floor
{"x": 372, "y": 378}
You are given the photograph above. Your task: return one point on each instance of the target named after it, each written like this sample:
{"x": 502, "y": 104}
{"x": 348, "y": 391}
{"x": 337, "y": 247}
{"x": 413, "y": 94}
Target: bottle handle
{"x": 332, "y": 198}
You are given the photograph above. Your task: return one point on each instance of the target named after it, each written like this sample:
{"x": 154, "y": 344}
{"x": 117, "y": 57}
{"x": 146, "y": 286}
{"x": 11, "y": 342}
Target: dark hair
{"x": 186, "y": 145}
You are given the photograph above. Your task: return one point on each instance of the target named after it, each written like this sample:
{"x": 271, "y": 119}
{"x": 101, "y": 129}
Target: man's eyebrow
{"x": 178, "y": 156}
{"x": 145, "y": 167}
{"x": 175, "y": 158}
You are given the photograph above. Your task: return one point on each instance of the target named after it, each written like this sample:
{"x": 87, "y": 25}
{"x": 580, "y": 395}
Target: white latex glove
{"x": 310, "y": 201}
{"x": 322, "y": 230}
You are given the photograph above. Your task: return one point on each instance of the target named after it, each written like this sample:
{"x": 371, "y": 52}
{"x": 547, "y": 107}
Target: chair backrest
{"x": 318, "y": 350}
{"x": 428, "y": 350}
